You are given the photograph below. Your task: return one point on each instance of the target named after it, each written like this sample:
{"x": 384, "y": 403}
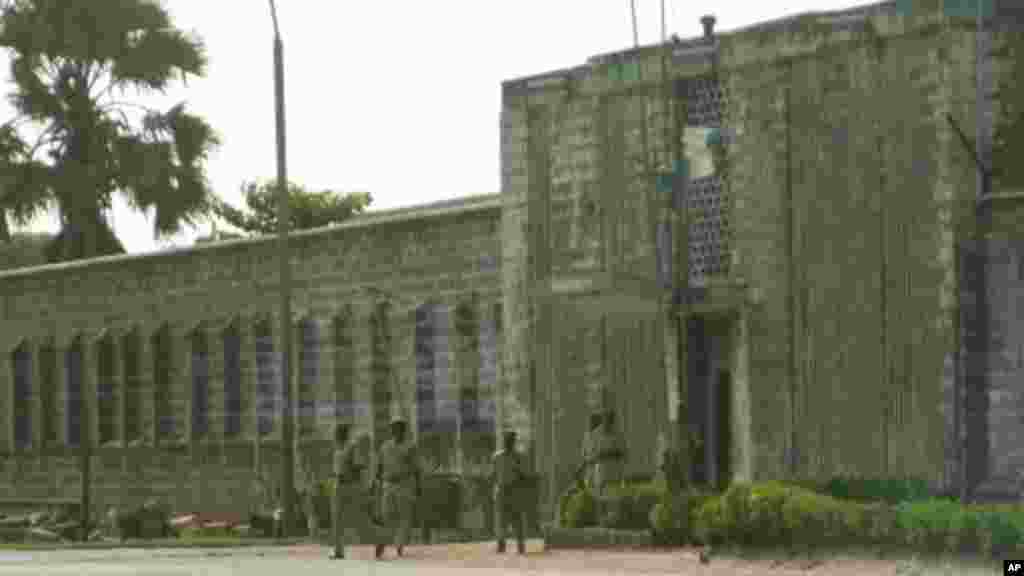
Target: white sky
{"x": 398, "y": 98}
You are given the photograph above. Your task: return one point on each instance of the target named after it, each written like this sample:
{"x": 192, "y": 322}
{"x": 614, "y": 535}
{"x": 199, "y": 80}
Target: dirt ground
{"x": 677, "y": 561}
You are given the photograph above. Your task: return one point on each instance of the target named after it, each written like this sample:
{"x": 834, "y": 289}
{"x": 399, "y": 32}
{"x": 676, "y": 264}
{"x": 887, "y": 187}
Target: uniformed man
{"x": 507, "y": 475}
{"x": 398, "y": 472}
{"x": 306, "y": 486}
{"x": 589, "y": 450}
{"x": 349, "y": 518}
{"x": 610, "y": 454}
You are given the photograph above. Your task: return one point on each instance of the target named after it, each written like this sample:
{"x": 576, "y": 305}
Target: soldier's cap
{"x": 509, "y": 434}
{"x": 398, "y": 420}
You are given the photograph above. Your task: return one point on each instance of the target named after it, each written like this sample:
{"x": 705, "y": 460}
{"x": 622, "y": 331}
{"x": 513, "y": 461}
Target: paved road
{"x": 441, "y": 560}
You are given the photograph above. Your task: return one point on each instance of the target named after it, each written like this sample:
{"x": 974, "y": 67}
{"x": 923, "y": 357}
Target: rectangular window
{"x": 73, "y": 392}
{"x": 162, "y": 383}
{"x": 47, "y": 393}
{"x": 21, "y": 360}
{"x": 105, "y": 400}
{"x": 424, "y": 350}
{"x": 309, "y": 374}
{"x": 266, "y": 379}
{"x": 130, "y": 368}
{"x": 232, "y": 382}
{"x": 200, "y": 385}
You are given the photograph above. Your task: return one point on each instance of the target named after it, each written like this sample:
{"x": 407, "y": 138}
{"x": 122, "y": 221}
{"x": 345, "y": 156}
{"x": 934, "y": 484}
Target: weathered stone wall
{"x": 356, "y": 288}
{"x": 846, "y": 189}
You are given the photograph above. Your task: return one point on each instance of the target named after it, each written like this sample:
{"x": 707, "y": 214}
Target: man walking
{"x": 398, "y": 472}
{"x": 348, "y": 510}
{"x": 507, "y": 475}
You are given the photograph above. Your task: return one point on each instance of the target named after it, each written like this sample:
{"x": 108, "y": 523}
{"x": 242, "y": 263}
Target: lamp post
{"x": 287, "y": 435}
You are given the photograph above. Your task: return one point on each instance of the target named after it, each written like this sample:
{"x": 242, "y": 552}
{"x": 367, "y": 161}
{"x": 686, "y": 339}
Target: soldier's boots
{"x": 399, "y": 550}
{"x": 379, "y": 551}
{"x": 501, "y": 547}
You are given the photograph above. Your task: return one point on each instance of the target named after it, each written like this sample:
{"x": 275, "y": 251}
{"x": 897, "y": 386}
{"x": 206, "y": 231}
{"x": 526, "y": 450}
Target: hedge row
{"x": 774, "y": 514}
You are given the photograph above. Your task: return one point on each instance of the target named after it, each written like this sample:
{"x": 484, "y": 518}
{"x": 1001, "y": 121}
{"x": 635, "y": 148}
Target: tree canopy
{"x": 72, "y": 63}
{"x": 309, "y": 209}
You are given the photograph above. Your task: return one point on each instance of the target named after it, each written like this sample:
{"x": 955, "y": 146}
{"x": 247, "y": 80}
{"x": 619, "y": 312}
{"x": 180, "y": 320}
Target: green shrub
{"x": 628, "y": 507}
{"x": 709, "y": 522}
{"x": 580, "y": 509}
{"x": 863, "y": 489}
{"x": 670, "y": 519}
{"x": 926, "y": 525}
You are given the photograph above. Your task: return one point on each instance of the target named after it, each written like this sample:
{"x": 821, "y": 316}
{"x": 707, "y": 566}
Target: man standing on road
{"x": 507, "y": 475}
{"x": 399, "y": 474}
{"x": 348, "y": 509}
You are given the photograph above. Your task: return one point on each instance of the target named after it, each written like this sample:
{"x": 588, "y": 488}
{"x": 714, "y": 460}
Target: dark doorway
{"x": 724, "y": 437}
{"x": 709, "y": 400}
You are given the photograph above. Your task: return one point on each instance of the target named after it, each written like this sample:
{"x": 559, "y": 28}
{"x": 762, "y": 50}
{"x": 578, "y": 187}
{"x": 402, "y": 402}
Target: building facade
{"x": 764, "y": 241}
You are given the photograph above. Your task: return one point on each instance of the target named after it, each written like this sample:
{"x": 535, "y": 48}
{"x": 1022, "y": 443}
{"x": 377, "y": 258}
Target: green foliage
{"x": 70, "y": 63}
{"x": 628, "y": 507}
{"x": 579, "y": 509}
{"x": 308, "y": 209}
{"x": 889, "y": 490}
{"x": 670, "y": 518}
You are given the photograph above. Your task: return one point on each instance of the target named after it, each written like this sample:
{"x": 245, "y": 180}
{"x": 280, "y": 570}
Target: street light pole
{"x": 287, "y": 435}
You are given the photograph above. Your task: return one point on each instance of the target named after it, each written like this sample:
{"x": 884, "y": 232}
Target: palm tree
{"x": 71, "y": 60}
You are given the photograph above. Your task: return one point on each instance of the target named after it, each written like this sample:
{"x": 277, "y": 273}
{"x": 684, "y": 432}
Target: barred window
{"x": 232, "y": 382}
{"x": 21, "y": 361}
{"x": 73, "y": 392}
{"x": 200, "y": 384}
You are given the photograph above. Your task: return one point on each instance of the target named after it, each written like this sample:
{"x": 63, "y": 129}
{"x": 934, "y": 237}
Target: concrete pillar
{"x": 7, "y": 408}
{"x": 326, "y": 385}
{"x": 116, "y": 385}
{"x": 147, "y": 406}
{"x": 306, "y": 376}
{"x": 90, "y": 388}
{"x": 343, "y": 366}
{"x": 247, "y": 378}
{"x": 215, "y": 391}
{"x": 178, "y": 396}
{"x": 402, "y": 322}
{"x": 60, "y": 382}
{"x": 35, "y": 405}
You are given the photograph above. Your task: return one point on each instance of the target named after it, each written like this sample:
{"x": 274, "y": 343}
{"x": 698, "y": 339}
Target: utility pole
{"x": 287, "y": 433}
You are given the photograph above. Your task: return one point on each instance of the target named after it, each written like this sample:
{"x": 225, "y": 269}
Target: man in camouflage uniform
{"x": 398, "y": 472}
{"x": 609, "y": 450}
{"x": 589, "y": 447}
{"x": 507, "y": 476}
{"x": 349, "y": 518}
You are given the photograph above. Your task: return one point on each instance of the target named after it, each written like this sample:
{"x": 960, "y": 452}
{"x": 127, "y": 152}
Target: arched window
{"x": 21, "y": 364}
{"x": 106, "y": 405}
{"x": 232, "y": 381}
{"x": 200, "y": 383}
{"x": 73, "y": 392}
{"x": 162, "y": 383}
{"x": 309, "y": 374}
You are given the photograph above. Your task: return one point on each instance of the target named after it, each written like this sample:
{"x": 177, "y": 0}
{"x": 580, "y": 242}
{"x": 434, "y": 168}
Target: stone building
{"x": 826, "y": 311}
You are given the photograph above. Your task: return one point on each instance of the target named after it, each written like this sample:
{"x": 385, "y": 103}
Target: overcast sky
{"x": 398, "y": 98}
